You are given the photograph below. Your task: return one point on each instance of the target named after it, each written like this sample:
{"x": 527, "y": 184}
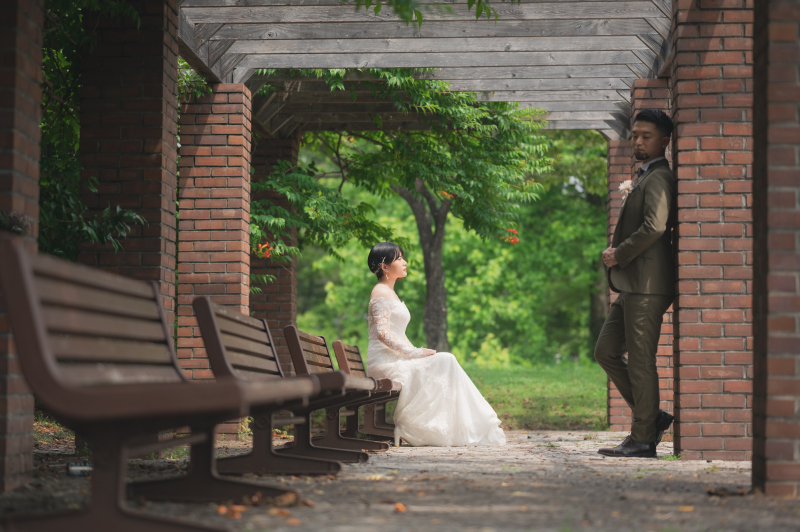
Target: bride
{"x": 438, "y": 404}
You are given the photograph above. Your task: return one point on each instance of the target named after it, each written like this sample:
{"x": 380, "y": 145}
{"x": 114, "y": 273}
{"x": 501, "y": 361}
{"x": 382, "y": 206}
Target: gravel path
{"x": 542, "y": 480}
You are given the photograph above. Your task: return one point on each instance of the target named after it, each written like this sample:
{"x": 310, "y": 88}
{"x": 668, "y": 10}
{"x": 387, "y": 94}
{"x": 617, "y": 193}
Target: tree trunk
{"x": 431, "y": 215}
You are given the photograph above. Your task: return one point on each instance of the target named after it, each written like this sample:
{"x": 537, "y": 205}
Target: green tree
{"x": 65, "y": 221}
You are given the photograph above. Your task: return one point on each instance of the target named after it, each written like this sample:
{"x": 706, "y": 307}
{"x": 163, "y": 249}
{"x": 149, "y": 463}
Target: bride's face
{"x": 397, "y": 269}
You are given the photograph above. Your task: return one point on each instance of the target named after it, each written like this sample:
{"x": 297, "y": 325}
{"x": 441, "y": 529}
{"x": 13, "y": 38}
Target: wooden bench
{"x": 241, "y": 347}
{"x": 96, "y": 350}
{"x": 311, "y": 356}
{"x": 349, "y": 359}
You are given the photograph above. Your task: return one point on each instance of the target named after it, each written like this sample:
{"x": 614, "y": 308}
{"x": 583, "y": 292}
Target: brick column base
{"x": 21, "y": 24}
{"x": 214, "y": 211}
{"x": 776, "y": 194}
{"x": 712, "y": 109}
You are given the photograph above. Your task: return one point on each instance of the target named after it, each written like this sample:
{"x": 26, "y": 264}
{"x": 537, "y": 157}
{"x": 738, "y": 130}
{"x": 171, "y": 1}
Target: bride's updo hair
{"x": 383, "y": 253}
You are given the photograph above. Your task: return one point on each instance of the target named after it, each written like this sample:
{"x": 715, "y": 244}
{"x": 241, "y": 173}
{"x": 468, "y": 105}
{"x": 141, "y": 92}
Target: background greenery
{"x": 525, "y": 304}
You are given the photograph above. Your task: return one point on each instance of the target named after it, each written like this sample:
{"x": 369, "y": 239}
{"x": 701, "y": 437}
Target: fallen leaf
{"x": 374, "y": 477}
{"x": 273, "y": 511}
{"x": 399, "y": 507}
{"x": 331, "y": 477}
{"x": 686, "y": 508}
{"x": 222, "y": 510}
{"x": 517, "y": 494}
{"x": 234, "y": 515}
{"x": 293, "y": 521}
{"x": 420, "y": 494}
{"x": 504, "y": 483}
{"x": 284, "y": 513}
{"x": 308, "y": 502}
{"x": 615, "y": 514}
{"x": 401, "y": 489}
{"x": 238, "y": 508}
{"x": 287, "y": 499}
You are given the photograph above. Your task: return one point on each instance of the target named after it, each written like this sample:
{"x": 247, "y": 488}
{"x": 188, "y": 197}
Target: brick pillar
{"x": 618, "y": 163}
{"x": 214, "y": 229}
{"x": 712, "y": 108}
{"x": 21, "y": 23}
{"x": 128, "y": 138}
{"x": 277, "y": 301}
{"x": 645, "y": 94}
{"x": 776, "y": 194}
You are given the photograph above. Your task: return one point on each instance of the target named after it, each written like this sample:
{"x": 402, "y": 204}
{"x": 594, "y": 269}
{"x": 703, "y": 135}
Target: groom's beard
{"x": 641, "y": 156}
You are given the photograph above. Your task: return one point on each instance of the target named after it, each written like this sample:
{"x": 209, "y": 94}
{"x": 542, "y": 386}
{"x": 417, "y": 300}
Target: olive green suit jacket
{"x": 643, "y": 236}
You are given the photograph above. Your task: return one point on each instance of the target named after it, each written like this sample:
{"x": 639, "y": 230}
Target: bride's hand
{"x": 427, "y": 352}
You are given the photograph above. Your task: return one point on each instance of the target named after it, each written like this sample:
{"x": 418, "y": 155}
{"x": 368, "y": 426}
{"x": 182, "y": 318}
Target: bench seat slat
{"x": 80, "y": 374}
{"x": 244, "y": 345}
{"x": 318, "y": 364}
{"x": 242, "y": 361}
{"x": 255, "y": 375}
{"x": 94, "y": 324}
{"x": 319, "y": 349}
{"x": 63, "y": 294}
{"x": 310, "y": 338}
{"x": 237, "y": 328}
{"x": 84, "y": 348}
{"x": 54, "y": 268}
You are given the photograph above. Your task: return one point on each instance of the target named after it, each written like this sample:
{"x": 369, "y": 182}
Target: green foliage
{"x": 530, "y": 300}
{"x": 323, "y": 216}
{"x": 64, "y": 219}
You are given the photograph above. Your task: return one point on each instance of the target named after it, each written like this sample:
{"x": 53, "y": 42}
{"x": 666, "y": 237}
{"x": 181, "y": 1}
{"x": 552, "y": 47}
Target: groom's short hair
{"x": 661, "y": 119}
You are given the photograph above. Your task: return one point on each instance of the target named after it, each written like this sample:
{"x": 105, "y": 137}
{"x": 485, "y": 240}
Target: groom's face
{"x": 648, "y": 142}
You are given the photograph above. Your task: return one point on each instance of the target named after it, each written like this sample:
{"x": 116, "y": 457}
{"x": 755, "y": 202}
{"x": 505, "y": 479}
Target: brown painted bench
{"x": 311, "y": 356}
{"x": 349, "y": 359}
{"x": 241, "y": 347}
{"x": 96, "y": 350}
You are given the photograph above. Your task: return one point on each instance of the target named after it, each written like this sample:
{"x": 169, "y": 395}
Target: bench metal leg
{"x": 334, "y": 439}
{"x": 107, "y": 510}
{"x": 264, "y": 459}
{"x": 375, "y": 421}
{"x": 202, "y": 483}
{"x": 302, "y": 446}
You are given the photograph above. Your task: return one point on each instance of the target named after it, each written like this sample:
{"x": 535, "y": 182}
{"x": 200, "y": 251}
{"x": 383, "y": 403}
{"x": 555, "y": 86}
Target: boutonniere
{"x": 626, "y": 187}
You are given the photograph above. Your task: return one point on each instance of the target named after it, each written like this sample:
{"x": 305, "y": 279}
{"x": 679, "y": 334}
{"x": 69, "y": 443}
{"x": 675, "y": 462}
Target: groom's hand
{"x": 609, "y": 258}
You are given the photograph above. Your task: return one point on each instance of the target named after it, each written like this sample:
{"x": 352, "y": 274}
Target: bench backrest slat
{"x": 79, "y": 326}
{"x": 349, "y": 359}
{"x": 309, "y": 353}
{"x": 237, "y": 345}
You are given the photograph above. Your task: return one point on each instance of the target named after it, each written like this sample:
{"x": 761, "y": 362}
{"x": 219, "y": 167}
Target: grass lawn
{"x": 567, "y": 396}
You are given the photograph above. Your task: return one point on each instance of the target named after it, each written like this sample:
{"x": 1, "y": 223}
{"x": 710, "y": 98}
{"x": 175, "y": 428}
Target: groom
{"x": 640, "y": 269}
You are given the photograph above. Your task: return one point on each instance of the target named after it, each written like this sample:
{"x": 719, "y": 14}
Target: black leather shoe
{"x": 630, "y": 449}
{"x": 663, "y": 421}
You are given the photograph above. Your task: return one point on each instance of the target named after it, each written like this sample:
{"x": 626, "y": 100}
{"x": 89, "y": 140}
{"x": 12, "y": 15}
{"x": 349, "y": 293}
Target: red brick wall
{"x": 645, "y": 94}
{"x": 776, "y": 115}
{"x": 619, "y": 169}
{"x": 128, "y": 129}
{"x": 277, "y": 301}
{"x": 712, "y": 151}
{"x": 21, "y": 24}
{"x": 214, "y": 228}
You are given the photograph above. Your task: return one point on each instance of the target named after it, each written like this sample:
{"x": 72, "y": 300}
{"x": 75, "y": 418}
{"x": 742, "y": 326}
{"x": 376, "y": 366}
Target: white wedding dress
{"x": 438, "y": 404}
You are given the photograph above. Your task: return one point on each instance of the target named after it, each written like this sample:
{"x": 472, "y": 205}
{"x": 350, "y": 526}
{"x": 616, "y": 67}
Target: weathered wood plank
{"x": 400, "y": 30}
{"x": 433, "y": 3}
{"x": 509, "y": 44}
{"x": 499, "y": 96}
{"x": 434, "y": 60}
{"x": 364, "y": 126}
{"x": 580, "y": 115}
{"x": 384, "y": 108}
{"x": 537, "y": 84}
{"x": 579, "y": 124}
{"x": 350, "y": 117}
{"x": 453, "y": 12}
{"x": 536, "y": 72}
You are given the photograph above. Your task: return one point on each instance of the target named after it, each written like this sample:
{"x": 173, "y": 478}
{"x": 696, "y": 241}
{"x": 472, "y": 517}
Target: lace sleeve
{"x": 380, "y": 312}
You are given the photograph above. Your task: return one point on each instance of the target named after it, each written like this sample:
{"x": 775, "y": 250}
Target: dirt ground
{"x": 540, "y": 481}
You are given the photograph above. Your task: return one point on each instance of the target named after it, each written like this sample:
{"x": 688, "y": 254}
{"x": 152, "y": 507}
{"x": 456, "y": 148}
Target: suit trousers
{"x": 634, "y": 325}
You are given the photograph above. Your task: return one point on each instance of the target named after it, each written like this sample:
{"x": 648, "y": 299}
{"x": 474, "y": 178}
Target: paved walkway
{"x": 542, "y": 481}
